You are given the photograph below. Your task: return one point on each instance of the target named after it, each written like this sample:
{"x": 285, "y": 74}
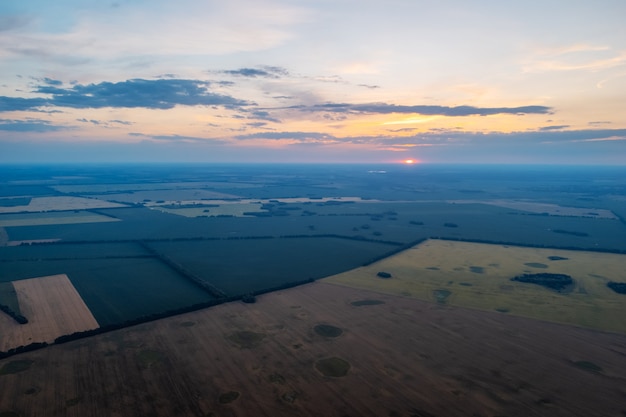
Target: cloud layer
{"x": 150, "y": 94}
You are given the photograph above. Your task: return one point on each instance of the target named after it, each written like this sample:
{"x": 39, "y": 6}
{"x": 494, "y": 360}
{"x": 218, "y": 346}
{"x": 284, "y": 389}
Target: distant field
{"x": 545, "y": 208}
{"x": 165, "y": 195}
{"x": 478, "y": 276}
{"x": 148, "y": 186}
{"x": 60, "y": 217}
{"x": 53, "y": 308}
{"x": 234, "y": 209}
{"x": 60, "y": 203}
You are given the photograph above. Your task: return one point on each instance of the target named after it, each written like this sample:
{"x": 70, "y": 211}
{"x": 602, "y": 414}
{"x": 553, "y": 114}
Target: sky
{"x": 309, "y": 81}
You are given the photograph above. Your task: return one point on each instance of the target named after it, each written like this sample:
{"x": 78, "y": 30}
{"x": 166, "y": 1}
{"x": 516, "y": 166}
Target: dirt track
{"x": 53, "y": 308}
{"x": 407, "y": 358}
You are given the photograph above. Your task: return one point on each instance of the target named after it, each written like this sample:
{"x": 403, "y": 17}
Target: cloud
{"x": 263, "y": 72}
{"x": 29, "y": 125}
{"x": 372, "y": 87}
{"x": 178, "y": 138}
{"x": 20, "y": 103}
{"x": 549, "y": 128}
{"x": 383, "y": 108}
{"x": 511, "y": 142}
{"x": 151, "y": 94}
{"x": 309, "y": 137}
{"x": 12, "y": 22}
{"x": 51, "y": 81}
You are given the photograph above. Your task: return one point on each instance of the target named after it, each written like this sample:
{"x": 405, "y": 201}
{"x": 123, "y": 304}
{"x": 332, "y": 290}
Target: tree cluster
{"x": 14, "y": 315}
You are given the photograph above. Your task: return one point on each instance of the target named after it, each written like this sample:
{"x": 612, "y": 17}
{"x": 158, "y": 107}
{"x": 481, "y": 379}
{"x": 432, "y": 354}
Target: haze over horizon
{"x": 313, "y": 81}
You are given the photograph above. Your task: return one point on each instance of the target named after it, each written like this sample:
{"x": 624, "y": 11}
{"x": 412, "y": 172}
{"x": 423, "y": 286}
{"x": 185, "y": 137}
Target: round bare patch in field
{"x": 327, "y": 330}
{"x": 14, "y": 367}
{"x": 148, "y": 358}
{"x": 360, "y": 303}
{"x": 334, "y": 367}
{"x": 228, "y": 397}
{"x": 246, "y": 339}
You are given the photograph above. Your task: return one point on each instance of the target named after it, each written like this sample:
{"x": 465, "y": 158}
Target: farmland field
{"x": 59, "y": 203}
{"x": 56, "y": 217}
{"x": 405, "y": 357}
{"x": 53, "y": 308}
{"x": 446, "y": 333}
{"x": 479, "y": 276}
{"x": 244, "y": 266}
{"x": 117, "y": 290}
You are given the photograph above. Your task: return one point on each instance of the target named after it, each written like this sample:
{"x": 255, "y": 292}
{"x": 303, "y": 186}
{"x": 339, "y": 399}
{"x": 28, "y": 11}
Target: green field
{"x": 118, "y": 290}
{"x": 243, "y": 266}
{"x": 8, "y": 297}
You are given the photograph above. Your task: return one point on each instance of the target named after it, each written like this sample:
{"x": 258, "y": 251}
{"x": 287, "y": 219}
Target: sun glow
{"x": 410, "y": 161}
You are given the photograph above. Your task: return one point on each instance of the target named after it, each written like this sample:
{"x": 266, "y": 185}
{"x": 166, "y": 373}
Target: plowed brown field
{"x": 405, "y": 357}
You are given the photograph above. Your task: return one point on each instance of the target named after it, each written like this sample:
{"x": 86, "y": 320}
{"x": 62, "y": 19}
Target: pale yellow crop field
{"x": 38, "y": 204}
{"x": 478, "y": 276}
{"x": 551, "y": 209}
{"x": 46, "y": 220}
{"x": 53, "y": 308}
{"x": 229, "y": 209}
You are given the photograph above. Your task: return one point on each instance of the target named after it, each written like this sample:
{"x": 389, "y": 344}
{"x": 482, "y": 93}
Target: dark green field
{"x": 245, "y": 266}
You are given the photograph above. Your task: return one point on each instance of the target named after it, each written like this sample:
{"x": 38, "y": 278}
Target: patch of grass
{"x": 32, "y": 391}
{"x": 228, "y": 397}
{"x": 276, "y": 378}
{"x": 587, "y": 366}
{"x": 327, "y": 330}
{"x": 73, "y": 401}
{"x": 148, "y": 358}
{"x": 441, "y": 296}
{"x": 360, "y": 303}
{"x": 333, "y": 367}
{"x": 246, "y": 339}
{"x": 14, "y": 367}
{"x": 8, "y": 297}
{"x": 536, "y": 265}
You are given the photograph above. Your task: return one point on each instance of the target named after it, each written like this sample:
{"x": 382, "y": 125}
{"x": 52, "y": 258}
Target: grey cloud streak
{"x": 383, "y": 108}
{"x": 134, "y": 93}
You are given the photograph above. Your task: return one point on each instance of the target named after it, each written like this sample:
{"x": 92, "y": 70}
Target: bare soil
{"x": 406, "y": 357}
{"x": 53, "y": 308}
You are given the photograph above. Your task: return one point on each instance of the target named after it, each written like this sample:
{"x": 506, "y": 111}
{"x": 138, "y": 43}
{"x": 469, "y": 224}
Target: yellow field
{"x": 478, "y": 276}
{"x": 551, "y": 209}
{"x": 38, "y": 204}
{"x": 53, "y": 308}
{"x": 92, "y": 218}
{"x": 229, "y": 209}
